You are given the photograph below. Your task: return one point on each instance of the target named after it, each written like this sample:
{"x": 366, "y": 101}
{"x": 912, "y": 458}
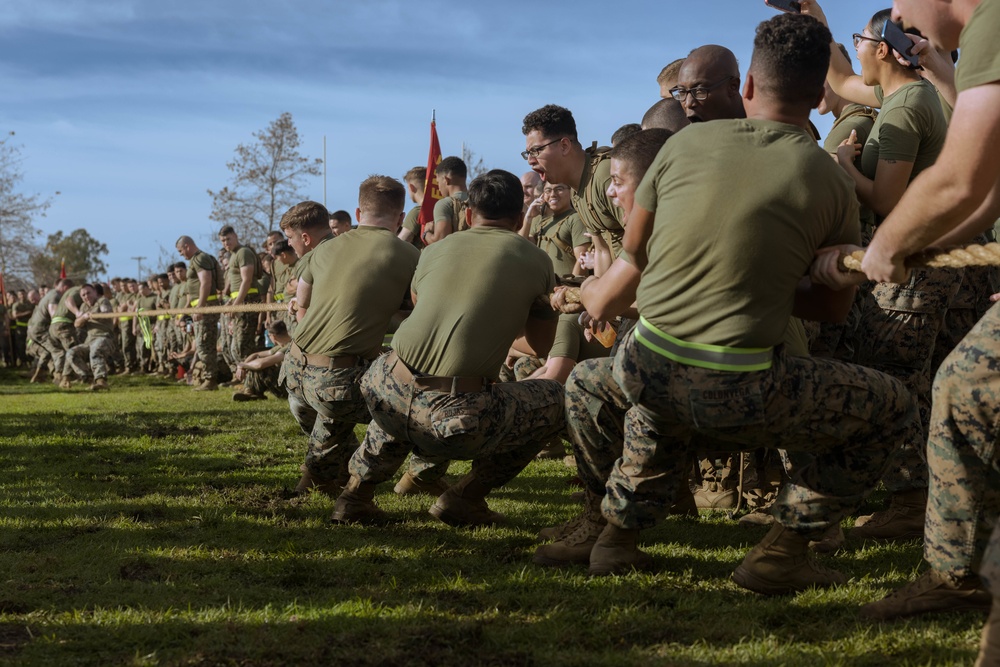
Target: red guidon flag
{"x": 431, "y": 193}
{"x": 62, "y": 269}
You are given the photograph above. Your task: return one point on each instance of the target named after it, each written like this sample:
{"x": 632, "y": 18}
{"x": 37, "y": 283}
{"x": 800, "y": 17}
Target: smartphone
{"x": 897, "y": 39}
{"x": 790, "y": 6}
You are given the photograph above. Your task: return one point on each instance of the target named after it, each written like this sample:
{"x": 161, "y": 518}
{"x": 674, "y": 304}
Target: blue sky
{"x": 131, "y": 109}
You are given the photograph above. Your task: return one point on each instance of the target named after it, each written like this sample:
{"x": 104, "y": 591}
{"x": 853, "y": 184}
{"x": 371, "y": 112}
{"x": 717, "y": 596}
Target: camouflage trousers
{"x": 144, "y": 353}
{"x": 840, "y": 413}
{"x": 93, "y": 357}
{"x": 63, "y": 335}
{"x": 243, "y": 340}
{"x": 128, "y": 344}
{"x": 206, "y": 341}
{"x": 41, "y": 346}
{"x": 263, "y": 381}
{"x": 962, "y": 453}
{"x": 525, "y": 366}
{"x": 900, "y": 326}
{"x": 500, "y": 429}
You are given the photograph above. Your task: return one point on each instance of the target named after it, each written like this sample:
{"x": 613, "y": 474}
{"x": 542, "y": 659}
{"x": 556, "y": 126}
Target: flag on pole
{"x": 431, "y": 192}
{"x": 62, "y": 269}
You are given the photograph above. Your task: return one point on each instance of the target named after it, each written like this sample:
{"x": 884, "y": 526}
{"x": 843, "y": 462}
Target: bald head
{"x": 713, "y": 69}
{"x": 666, "y": 114}
{"x": 529, "y": 182}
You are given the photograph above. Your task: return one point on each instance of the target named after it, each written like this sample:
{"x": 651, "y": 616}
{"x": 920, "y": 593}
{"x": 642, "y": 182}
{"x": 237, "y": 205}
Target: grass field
{"x": 153, "y": 525}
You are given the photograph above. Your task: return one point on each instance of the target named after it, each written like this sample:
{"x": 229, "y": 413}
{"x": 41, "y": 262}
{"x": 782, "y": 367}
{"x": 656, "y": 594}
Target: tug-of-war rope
{"x": 952, "y": 258}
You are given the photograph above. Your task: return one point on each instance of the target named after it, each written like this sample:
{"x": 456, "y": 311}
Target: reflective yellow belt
{"x": 701, "y": 355}
{"x": 212, "y": 297}
{"x": 252, "y": 290}
{"x": 163, "y": 317}
{"x": 279, "y": 296}
{"x": 61, "y": 320}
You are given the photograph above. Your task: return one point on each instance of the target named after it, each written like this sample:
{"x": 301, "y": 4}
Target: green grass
{"x": 153, "y": 525}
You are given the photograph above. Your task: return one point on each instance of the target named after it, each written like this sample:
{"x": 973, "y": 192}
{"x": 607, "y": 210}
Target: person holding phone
{"x": 899, "y": 325}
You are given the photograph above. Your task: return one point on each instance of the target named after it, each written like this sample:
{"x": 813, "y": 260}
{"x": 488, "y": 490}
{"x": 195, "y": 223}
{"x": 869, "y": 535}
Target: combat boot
{"x": 718, "y": 487}
{"x": 244, "y": 396}
{"x": 989, "y": 645}
{"x": 933, "y": 591}
{"x": 464, "y": 504}
{"x": 574, "y": 539}
{"x": 355, "y": 504}
{"x": 64, "y": 383}
{"x": 831, "y": 540}
{"x": 781, "y": 564}
{"x": 309, "y": 481}
{"x": 902, "y": 520}
{"x": 38, "y": 375}
{"x": 207, "y": 385}
{"x": 409, "y": 485}
{"x": 617, "y": 551}
{"x": 685, "y": 503}
{"x": 100, "y": 384}
{"x": 553, "y": 450}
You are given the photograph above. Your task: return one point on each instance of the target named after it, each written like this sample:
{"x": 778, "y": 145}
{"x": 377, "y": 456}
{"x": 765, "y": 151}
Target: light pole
{"x": 138, "y": 267}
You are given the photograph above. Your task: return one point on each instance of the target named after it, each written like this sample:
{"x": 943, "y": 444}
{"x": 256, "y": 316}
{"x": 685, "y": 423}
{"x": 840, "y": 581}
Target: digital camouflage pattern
{"x": 962, "y": 454}
{"x": 500, "y": 429}
{"x": 263, "y": 381}
{"x": 93, "y": 357}
{"x": 206, "y": 340}
{"x": 63, "y": 336}
{"x": 243, "y": 341}
{"x": 832, "y": 410}
{"x": 595, "y": 417}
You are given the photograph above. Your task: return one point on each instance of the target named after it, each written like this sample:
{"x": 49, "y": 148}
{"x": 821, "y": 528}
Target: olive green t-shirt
{"x": 41, "y": 317}
{"x": 22, "y": 311}
{"x": 202, "y": 262}
{"x": 910, "y": 128}
{"x": 242, "y": 256}
{"x": 412, "y": 223}
{"x": 557, "y": 236}
{"x": 595, "y": 208}
{"x": 147, "y": 303}
{"x": 571, "y": 343}
{"x": 979, "y": 63}
{"x": 282, "y": 274}
{"x": 358, "y": 283}
{"x": 444, "y": 209}
{"x": 71, "y": 295}
{"x": 474, "y": 293}
{"x": 861, "y": 119}
{"x": 100, "y": 328}
{"x": 723, "y": 269}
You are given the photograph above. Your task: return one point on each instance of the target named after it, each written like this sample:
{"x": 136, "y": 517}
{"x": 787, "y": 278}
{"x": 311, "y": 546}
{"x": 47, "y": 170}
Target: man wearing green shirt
{"x": 43, "y": 347}
{"x": 203, "y": 281}
{"x": 61, "y": 331}
{"x": 93, "y": 355}
{"x": 244, "y": 272}
{"x": 714, "y": 305}
{"x": 450, "y": 173}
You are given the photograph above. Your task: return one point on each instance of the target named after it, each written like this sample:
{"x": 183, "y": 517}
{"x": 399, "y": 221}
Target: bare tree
{"x": 267, "y": 177}
{"x": 17, "y": 214}
{"x": 473, "y": 162}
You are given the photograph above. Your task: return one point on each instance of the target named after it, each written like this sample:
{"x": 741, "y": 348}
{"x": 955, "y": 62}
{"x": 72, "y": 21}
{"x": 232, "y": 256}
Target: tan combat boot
{"x": 464, "y": 504}
{"x": 902, "y": 520}
{"x": 64, "y": 383}
{"x": 933, "y": 591}
{"x": 309, "y": 481}
{"x": 781, "y": 564}
{"x": 617, "y": 551}
{"x": 355, "y": 504}
{"x": 207, "y": 385}
{"x": 409, "y": 485}
{"x": 575, "y": 538}
{"x": 100, "y": 384}
{"x": 989, "y": 645}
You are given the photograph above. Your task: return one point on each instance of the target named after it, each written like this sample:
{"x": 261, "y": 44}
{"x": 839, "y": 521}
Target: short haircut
{"x": 184, "y": 240}
{"x": 791, "y": 55}
{"x": 637, "y": 152}
{"x": 552, "y": 121}
{"x": 65, "y": 283}
{"x": 670, "y": 72}
{"x": 85, "y": 286}
{"x": 624, "y": 132}
{"x": 496, "y": 195}
{"x": 162, "y": 276}
{"x": 277, "y": 327}
{"x": 305, "y": 215}
{"x": 341, "y": 216}
{"x": 99, "y": 288}
{"x": 666, "y": 114}
{"x": 452, "y": 166}
{"x": 843, "y": 49}
{"x": 277, "y": 232}
{"x": 416, "y": 175}
{"x": 382, "y": 196}
{"x": 180, "y": 265}
{"x": 279, "y": 247}
{"x": 225, "y": 231}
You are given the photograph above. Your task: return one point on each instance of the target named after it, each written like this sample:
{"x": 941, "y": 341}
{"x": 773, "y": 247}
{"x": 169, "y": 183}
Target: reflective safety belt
{"x": 252, "y": 290}
{"x": 211, "y": 297}
{"x": 701, "y": 355}
{"x": 61, "y": 320}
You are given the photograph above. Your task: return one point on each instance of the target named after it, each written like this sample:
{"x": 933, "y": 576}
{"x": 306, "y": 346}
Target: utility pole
{"x": 324, "y": 170}
{"x": 138, "y": 267}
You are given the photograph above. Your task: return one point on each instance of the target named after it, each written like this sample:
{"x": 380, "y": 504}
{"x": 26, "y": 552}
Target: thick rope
{"x": 944, "y": 258}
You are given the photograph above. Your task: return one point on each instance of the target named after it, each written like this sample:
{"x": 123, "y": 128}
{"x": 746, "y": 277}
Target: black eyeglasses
{"x": 700, "y": 93}
{"x": 858, "y": 38}
{"x": 535, "y": 151}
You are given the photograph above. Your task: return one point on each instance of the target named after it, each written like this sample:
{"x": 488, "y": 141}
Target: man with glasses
{"x": 708, "y": 85}
{"x": 554, "y": 152}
